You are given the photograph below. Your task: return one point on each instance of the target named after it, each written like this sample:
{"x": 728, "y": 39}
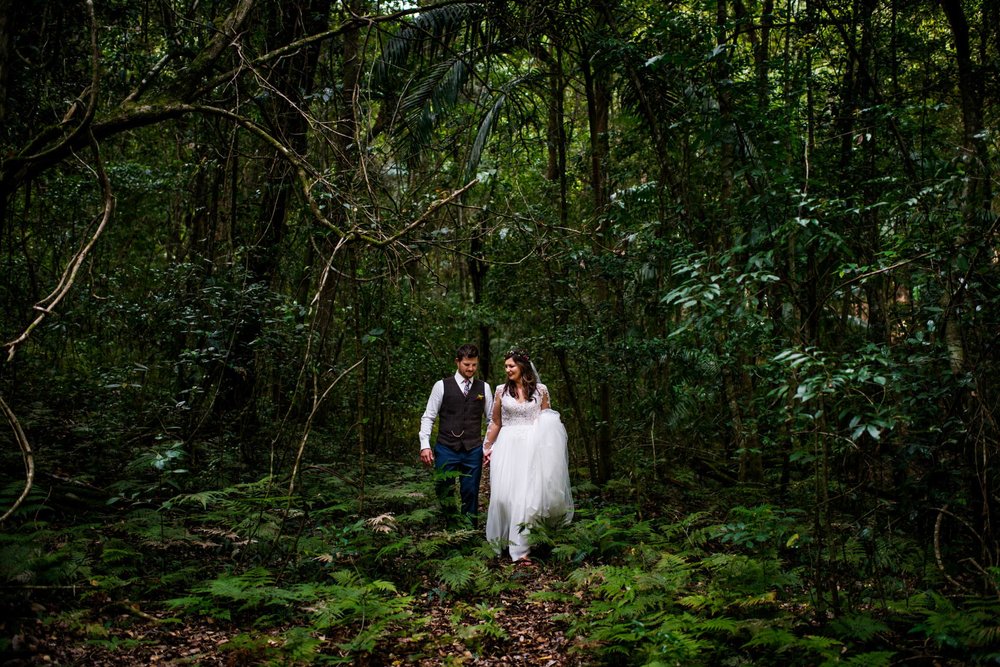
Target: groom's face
{"x": 467, "y": 366}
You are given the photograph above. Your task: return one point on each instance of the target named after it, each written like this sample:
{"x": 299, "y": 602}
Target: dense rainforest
{"x": 751, "y": 245}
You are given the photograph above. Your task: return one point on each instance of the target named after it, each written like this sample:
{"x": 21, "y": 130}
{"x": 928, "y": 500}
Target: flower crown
{"x": 520, "y": 354}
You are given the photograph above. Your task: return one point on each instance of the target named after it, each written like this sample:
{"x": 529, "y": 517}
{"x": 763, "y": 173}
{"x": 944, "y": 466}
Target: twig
{"x": 135, "y": 611}
{"x": 434, "y": 206}
{"x": 885, "y": 269}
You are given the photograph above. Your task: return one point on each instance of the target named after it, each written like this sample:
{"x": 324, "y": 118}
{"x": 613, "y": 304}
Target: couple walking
{"x": 525, "y": 447}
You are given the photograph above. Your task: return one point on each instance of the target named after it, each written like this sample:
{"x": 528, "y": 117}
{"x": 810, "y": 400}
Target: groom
{"x": 461, "y": 402}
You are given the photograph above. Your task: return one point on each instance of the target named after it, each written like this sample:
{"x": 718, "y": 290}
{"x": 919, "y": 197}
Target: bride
{"x": 529, "y": 475}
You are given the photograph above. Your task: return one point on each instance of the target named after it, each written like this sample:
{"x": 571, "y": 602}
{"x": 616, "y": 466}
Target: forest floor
{"x": 63, "y": 625}
{"x": 133, "y": 636}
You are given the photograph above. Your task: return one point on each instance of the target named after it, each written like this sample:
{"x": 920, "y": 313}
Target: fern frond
{"x": 203, "y": 498}
{"x": 383, "y": 523}
{"x": 383, "y": 586}
{"x": 772, "y": 636}
{"x": 587, "y": 576}
{"x": 859, "y": 627}
{"x": 756, "y": 601}
{"x": 716, "y": 625}
{"x": 419, "y": 516}
{"x": 407, "y": 494}
{"x": 346, "y": 578}
{"x": 238, "y": 587}
{"x": 673, "y": 562}
{"x": 695, "y": 602}
{"x": 400, "y": 546}
{"x": 822, "y": 645}
{"x": 872, "y": 659}
{"x": 458, "y": 572}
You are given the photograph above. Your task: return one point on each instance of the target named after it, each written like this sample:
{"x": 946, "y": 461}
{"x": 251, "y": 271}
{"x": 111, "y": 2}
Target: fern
{"x": 466, "y": 575}
{"x": 397, "y": 547}
{"x": 772, "y": 636}
{"x": 823, "y": 646}
{"x": 252, "y": 589}
{"x": 300, "y": 646}
{"x": 477, "y": 625}
{"x": 199, "y": 605}
{"x": 203, "y": 498}
{"x": 871, "y": 659}
{"x": 971, "y": 626}
{"x": 457, "y": 572}
{"x": 634, "y": 610}
{"x": 859, "y": 627}
{"x": 371, "y": 607}
{"x": 601, "y": 535}
{"x": 16, "y": 562}
{"x": 435, "y": 543}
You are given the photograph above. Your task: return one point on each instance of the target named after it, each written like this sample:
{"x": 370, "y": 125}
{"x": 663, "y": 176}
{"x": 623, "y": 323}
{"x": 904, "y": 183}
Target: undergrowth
{"x": 324, "y": 578}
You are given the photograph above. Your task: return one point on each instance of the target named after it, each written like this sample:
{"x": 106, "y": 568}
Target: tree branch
{"x": 62, "y": 147}
{"x": 48, "y": 304}
{"x": 26, "y": 455}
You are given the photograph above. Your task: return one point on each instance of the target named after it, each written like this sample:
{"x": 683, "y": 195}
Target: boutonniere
{"x": 479, "y": 397}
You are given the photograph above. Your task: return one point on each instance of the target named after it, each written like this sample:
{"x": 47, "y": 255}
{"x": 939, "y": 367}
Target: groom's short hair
{"x": 467, "y": 351}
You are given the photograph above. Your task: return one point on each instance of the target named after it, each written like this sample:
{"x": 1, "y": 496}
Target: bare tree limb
{"x": 186, "y": 86}
{"x": 937, "y": 544}
{"x": 434, "y": 206}
{"x": 26, "y": 455}
{"x": 317, "y": 402}
{"x": 48, "y": 304}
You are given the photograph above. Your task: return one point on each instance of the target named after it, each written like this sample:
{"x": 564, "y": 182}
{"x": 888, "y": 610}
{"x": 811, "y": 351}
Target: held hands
{"x": 427, "y": 456}
{"x": 487, "y": 453}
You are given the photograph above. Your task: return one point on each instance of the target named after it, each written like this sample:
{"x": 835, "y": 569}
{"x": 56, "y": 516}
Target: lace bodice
{"x": 513, "y": 413}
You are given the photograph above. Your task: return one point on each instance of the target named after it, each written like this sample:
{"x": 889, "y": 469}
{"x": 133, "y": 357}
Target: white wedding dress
{"x": 529, "y": 472}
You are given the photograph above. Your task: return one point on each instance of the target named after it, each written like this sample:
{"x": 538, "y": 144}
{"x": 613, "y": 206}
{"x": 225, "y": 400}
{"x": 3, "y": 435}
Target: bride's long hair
{"x": 528, "y": 376}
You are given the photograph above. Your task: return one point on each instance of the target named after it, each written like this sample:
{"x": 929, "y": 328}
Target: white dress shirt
{"x": 434, "y": 406}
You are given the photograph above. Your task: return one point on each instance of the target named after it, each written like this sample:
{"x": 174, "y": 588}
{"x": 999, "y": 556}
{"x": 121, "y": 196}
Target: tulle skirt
{"x": 529, "y": 482}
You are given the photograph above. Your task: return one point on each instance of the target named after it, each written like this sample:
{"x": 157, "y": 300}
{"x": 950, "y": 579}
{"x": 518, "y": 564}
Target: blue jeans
{"x": 469, "y": 465}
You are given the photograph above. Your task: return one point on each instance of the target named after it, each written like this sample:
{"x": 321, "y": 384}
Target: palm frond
{"x": 486, "y": 127}
{"x": 440, "y": 85}
{"x": 425, "y": 34}
{"x": 489, "y": 120}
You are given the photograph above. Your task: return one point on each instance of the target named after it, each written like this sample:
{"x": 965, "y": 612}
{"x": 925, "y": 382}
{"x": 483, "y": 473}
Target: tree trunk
{"x": 598, "y": 107}
{"x": 556, "y": 154}
{"x": 976, "y": 206}
{"x": 285, "y": 112}
{"x": 5, "y": 27}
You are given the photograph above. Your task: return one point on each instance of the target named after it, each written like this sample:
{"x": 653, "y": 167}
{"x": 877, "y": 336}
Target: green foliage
{"x": 760, "y": 286}
{"x": 972, "y": 628}
{"x": 762, "y": 528}
{"x": 373, "y": 608}
{"x": 458, "y": 573}
{"x": 601, "y": 535}
{"x": 476, "y": 626}
{"x": 370, "y": 611}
